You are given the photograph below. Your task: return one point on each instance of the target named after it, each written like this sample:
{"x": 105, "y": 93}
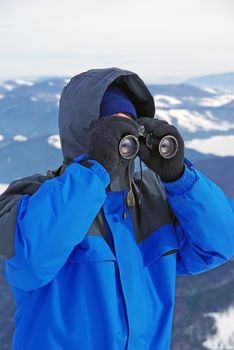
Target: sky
{"x": 154, "y": 38}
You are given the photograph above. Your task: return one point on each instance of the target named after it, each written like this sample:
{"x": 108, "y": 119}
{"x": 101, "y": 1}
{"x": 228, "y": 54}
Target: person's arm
{"x": 52, "y": 221}
{"x": 205, "y": 222}
{"x": 205, "y": 216}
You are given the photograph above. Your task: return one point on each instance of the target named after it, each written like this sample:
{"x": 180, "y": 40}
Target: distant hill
{"x": 223, "y": 82}
{"x": 21, "y": 159}
{"x": 29, "y": 118}
{"x": 221, "y": 171}
{"x": 36, "y": 155}
{"x": 178, "y": 90}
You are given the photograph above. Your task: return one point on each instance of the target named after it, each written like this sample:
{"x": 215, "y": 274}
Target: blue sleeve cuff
{"x": 183, "y": 184}
{"x": 97, "y": 168}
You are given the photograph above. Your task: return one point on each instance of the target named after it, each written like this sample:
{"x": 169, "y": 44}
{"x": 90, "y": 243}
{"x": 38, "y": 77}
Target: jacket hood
{"x": 80, "y": 105}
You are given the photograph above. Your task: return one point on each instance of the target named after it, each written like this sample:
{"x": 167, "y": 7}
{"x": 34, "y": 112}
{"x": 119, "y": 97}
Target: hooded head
{"x": 85, "y": 98}
{"x": 115, "y": 101}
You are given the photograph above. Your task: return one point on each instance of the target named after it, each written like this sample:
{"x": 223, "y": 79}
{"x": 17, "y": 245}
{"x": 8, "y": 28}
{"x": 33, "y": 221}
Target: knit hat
{"x": 116, "y": 101}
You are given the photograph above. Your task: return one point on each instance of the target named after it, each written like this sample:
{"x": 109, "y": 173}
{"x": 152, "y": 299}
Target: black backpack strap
{"x": 9, "y": 207}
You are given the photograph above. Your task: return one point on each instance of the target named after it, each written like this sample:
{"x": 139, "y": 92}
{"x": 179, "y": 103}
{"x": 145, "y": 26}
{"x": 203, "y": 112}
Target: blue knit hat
{"x": 116, "y": 101}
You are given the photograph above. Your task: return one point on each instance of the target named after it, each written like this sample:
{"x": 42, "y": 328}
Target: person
{"x": 92, "y": 248}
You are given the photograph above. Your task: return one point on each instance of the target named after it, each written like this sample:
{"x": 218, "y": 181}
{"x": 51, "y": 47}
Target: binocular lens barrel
{"x": 129, "y": 147}
{"x": 167, "y": 147}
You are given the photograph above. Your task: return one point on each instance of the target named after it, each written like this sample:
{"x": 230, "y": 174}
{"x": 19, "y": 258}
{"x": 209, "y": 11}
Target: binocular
{"x": 129, "y": 145}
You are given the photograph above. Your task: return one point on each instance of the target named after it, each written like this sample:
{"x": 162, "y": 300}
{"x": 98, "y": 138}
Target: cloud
{"x": 161, "y": 37}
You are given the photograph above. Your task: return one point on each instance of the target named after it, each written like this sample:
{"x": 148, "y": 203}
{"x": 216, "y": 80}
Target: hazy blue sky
{"x": 154, "y": 38}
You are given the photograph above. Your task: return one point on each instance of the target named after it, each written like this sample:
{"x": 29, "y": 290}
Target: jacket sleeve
{"x": 205, "y": 222}
{"x": 52, "y": 221}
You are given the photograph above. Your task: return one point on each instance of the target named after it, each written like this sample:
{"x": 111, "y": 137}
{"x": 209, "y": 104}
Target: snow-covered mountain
{"x": 198, "y": 113}
{"x": 224, "y": 336}
{"x": 29, "y": 121}
{"x": 204, "y": 318}
{"x": 31, "y": 108}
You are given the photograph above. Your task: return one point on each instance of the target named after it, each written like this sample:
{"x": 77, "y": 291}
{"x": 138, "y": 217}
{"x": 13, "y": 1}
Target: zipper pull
{"x": 124, "y": 215}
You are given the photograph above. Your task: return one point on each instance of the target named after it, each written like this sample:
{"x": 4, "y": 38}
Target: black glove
{"x": 104, "y": 137}
{"x": 168, "y": 169}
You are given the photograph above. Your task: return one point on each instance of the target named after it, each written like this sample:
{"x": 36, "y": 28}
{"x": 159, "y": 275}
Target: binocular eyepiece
{"x": 129, "y": 145}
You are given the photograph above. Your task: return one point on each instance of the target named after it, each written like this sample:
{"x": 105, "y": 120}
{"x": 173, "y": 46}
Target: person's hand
{"x": 104, "y": 137}
{"x": 168, "y": 169}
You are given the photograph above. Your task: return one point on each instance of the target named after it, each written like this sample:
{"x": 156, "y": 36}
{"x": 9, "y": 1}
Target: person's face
{"x": 126, "y": 115}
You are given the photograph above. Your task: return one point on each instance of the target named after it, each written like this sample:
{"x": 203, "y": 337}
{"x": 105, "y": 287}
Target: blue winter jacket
{"x": 79, "y": 287}
{"x": 73, "y": 292}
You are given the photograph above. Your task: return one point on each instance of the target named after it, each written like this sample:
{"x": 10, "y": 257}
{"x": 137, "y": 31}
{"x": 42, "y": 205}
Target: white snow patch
{"x": 7, "y": 86}
{"x": 3, "y": 187}
{"x": 224, "y": 337}
{"x": 54, "y": 140}
{"x": 24, "y": 82}
{"x": 47, "y": 97}
{"x": 216, "y": 101}
{"x": 211, "y": 91}
{"x": 58, "y": 99}
{"x": 189, "y": 99}
{"x": 1, "y": 137}
{"x": 1, "y": 96}
{"x": 20, "y": 138}
{"x": 162, "y": 101}
{"x": 194, "y": 121}
{"x": 33, "y": 98}
{"x": 50, "y": 83}
{"x": 164, "y": 114}
{"x": 221, "y": 145}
